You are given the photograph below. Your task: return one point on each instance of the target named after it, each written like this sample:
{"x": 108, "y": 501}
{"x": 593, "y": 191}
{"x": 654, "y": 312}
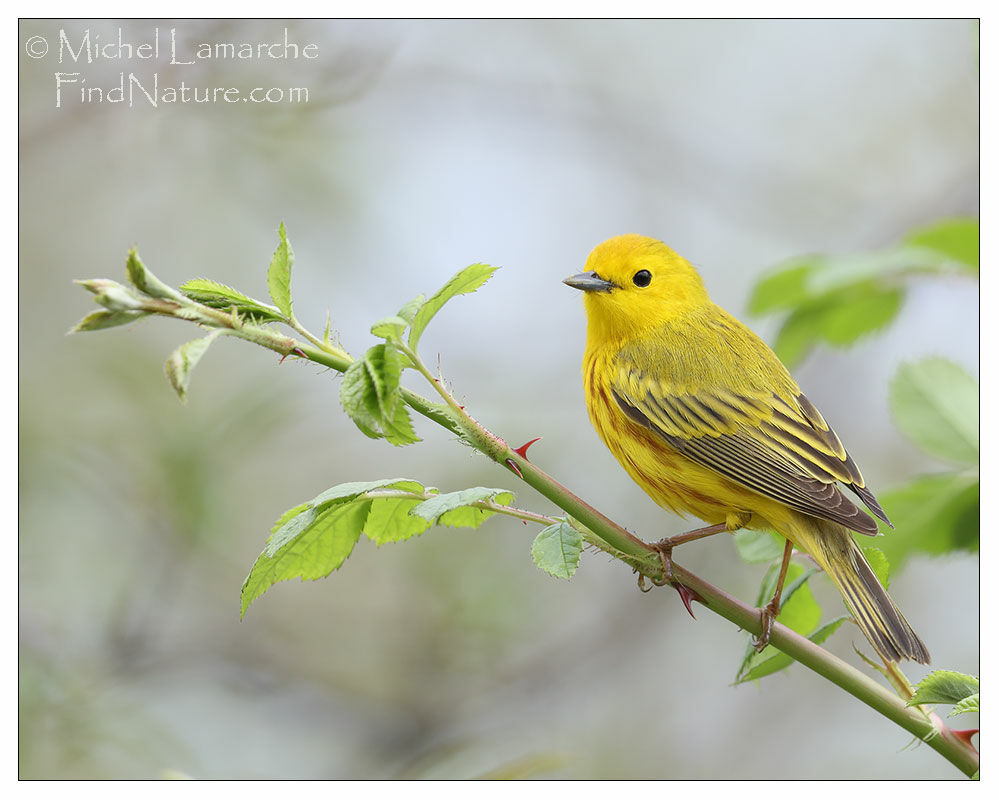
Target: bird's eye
{"x": 642, "y": 278}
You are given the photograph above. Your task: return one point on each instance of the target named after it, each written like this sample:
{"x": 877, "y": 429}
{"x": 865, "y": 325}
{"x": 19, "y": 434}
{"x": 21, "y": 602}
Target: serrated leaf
{"x": 346, "y": 491}
{"x": 467, "y": 280}
{"x": 279, "y": 273}
{"x": 934, "y": 514}
{"x": 385, "y": 369}
{"x": 969, "y": 705}
{"x": 954, "y": 239}
{"x": 779, "y": 660}
{"x": 99, "y": 320}
{"x": 758, "y": 546}
{"x": 369, "y": 393}
{"x": 184, "y": 359}
{"x": 218, "y": 295}
{"x": 288, "y": 515}
{"x": 441, "y": 504}
{"x": 944, "y": 686}
{"x": 556, "y": 550}
{"x": 390, "y": 520}
{"x": 310, "y": 551}
{"x": 935, "y": 403}
{"x": 398, "y": 430}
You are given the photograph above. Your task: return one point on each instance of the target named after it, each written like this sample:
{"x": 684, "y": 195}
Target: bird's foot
{"x": 664, "y": 547}
{"x": 767, "y": 616}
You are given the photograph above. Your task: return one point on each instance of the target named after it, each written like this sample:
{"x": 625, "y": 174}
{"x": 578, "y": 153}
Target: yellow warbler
{"x": 708, "y": 421}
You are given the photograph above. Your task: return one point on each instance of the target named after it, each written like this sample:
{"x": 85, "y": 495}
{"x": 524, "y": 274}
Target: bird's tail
{"x": 835, "y": 550}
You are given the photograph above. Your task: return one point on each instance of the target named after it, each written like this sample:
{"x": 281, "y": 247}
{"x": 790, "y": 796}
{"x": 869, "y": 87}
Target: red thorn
{"x": 524, "y": 521}
{"x": 514, "y": 467}
{"x": 294, "y": 351}
{"x": 965, "y": 736}
{"x": 686, "y": 595}
{"x": 522, "y": 450}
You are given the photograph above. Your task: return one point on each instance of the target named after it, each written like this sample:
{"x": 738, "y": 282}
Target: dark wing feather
{"x": 781, "y": 449}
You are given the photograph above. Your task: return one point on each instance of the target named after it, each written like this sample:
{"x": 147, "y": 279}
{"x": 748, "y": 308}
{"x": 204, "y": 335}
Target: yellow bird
{"x": 708, "y": 421}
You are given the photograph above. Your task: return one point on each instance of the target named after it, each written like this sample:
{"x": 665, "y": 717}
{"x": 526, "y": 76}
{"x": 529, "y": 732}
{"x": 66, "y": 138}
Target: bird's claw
{"x": 664, "y": 547}
{"x": 767, "y": 616}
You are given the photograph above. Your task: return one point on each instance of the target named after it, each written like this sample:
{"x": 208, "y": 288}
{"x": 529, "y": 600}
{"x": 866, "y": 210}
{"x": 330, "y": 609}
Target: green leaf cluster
{"x": 935, "y": 403}
{"x": 370, "y": 391}
{"x": 838, "y": 299}
{"x": 948, "y": 687}
{"x": 313, "y": 539}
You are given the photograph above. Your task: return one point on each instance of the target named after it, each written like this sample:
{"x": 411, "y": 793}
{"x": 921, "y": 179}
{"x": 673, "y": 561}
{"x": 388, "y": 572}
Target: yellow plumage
{"x": 707, "y": 420}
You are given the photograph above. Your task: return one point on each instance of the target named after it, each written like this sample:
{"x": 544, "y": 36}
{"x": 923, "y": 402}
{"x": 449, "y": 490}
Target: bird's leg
{"x": 733, "y": 522}
{"x": 769, "y": 612}
{"x": 665, "y": 548}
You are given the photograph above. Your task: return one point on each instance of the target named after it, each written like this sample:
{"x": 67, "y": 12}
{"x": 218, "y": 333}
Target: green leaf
{"x": 935, "y": 403}
{"x": 408, "y": 311}
{"x": 796, "y": 337}
{"x": 436, "y": 507}
{"x": 838, "y": 318}
{"x": 969, "y": 705}
{"x": 878, "y": 562}
{"x": 778, "y": 661}
{"x": 467, "y": 280}
{"x": 99, "y": 320}
{"x": 844, "y": 322}
{"x": 399, "y": 430}
{"x": 279, "y": 274}
{"x": 348, "y": 491}
{"x": 934, "y": 514}
{"x": 390, "y": 520}
{"x": 784, "y": 288}
{"x": 384, "y": 369}
{"x": 218, "y": 295}
{"x": 759, "y": 546}
{"x": 944, "y": 686}
{"x": 955, "y": 239}
{"x": 369, "y": 393}
{"x": 144, "y": 280}
{"x": 389, "y": 327}
{"x": 308, "y": 546}
{"x": 288, "y": 515}
{"x": 183, "y": 360}
{"x": 556, "y": 550}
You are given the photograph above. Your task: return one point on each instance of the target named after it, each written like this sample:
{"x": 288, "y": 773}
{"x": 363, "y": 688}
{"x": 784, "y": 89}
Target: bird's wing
{"x": 782, "y": 449}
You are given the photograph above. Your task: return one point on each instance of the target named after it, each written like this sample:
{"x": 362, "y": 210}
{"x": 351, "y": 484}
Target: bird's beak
{"x": 589, "y": 282}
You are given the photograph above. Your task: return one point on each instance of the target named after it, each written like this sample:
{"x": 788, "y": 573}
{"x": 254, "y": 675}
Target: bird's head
{"x": 634, "y": 284}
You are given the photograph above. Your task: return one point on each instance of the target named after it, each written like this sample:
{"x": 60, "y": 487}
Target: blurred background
{"x": 423, "y": 147}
